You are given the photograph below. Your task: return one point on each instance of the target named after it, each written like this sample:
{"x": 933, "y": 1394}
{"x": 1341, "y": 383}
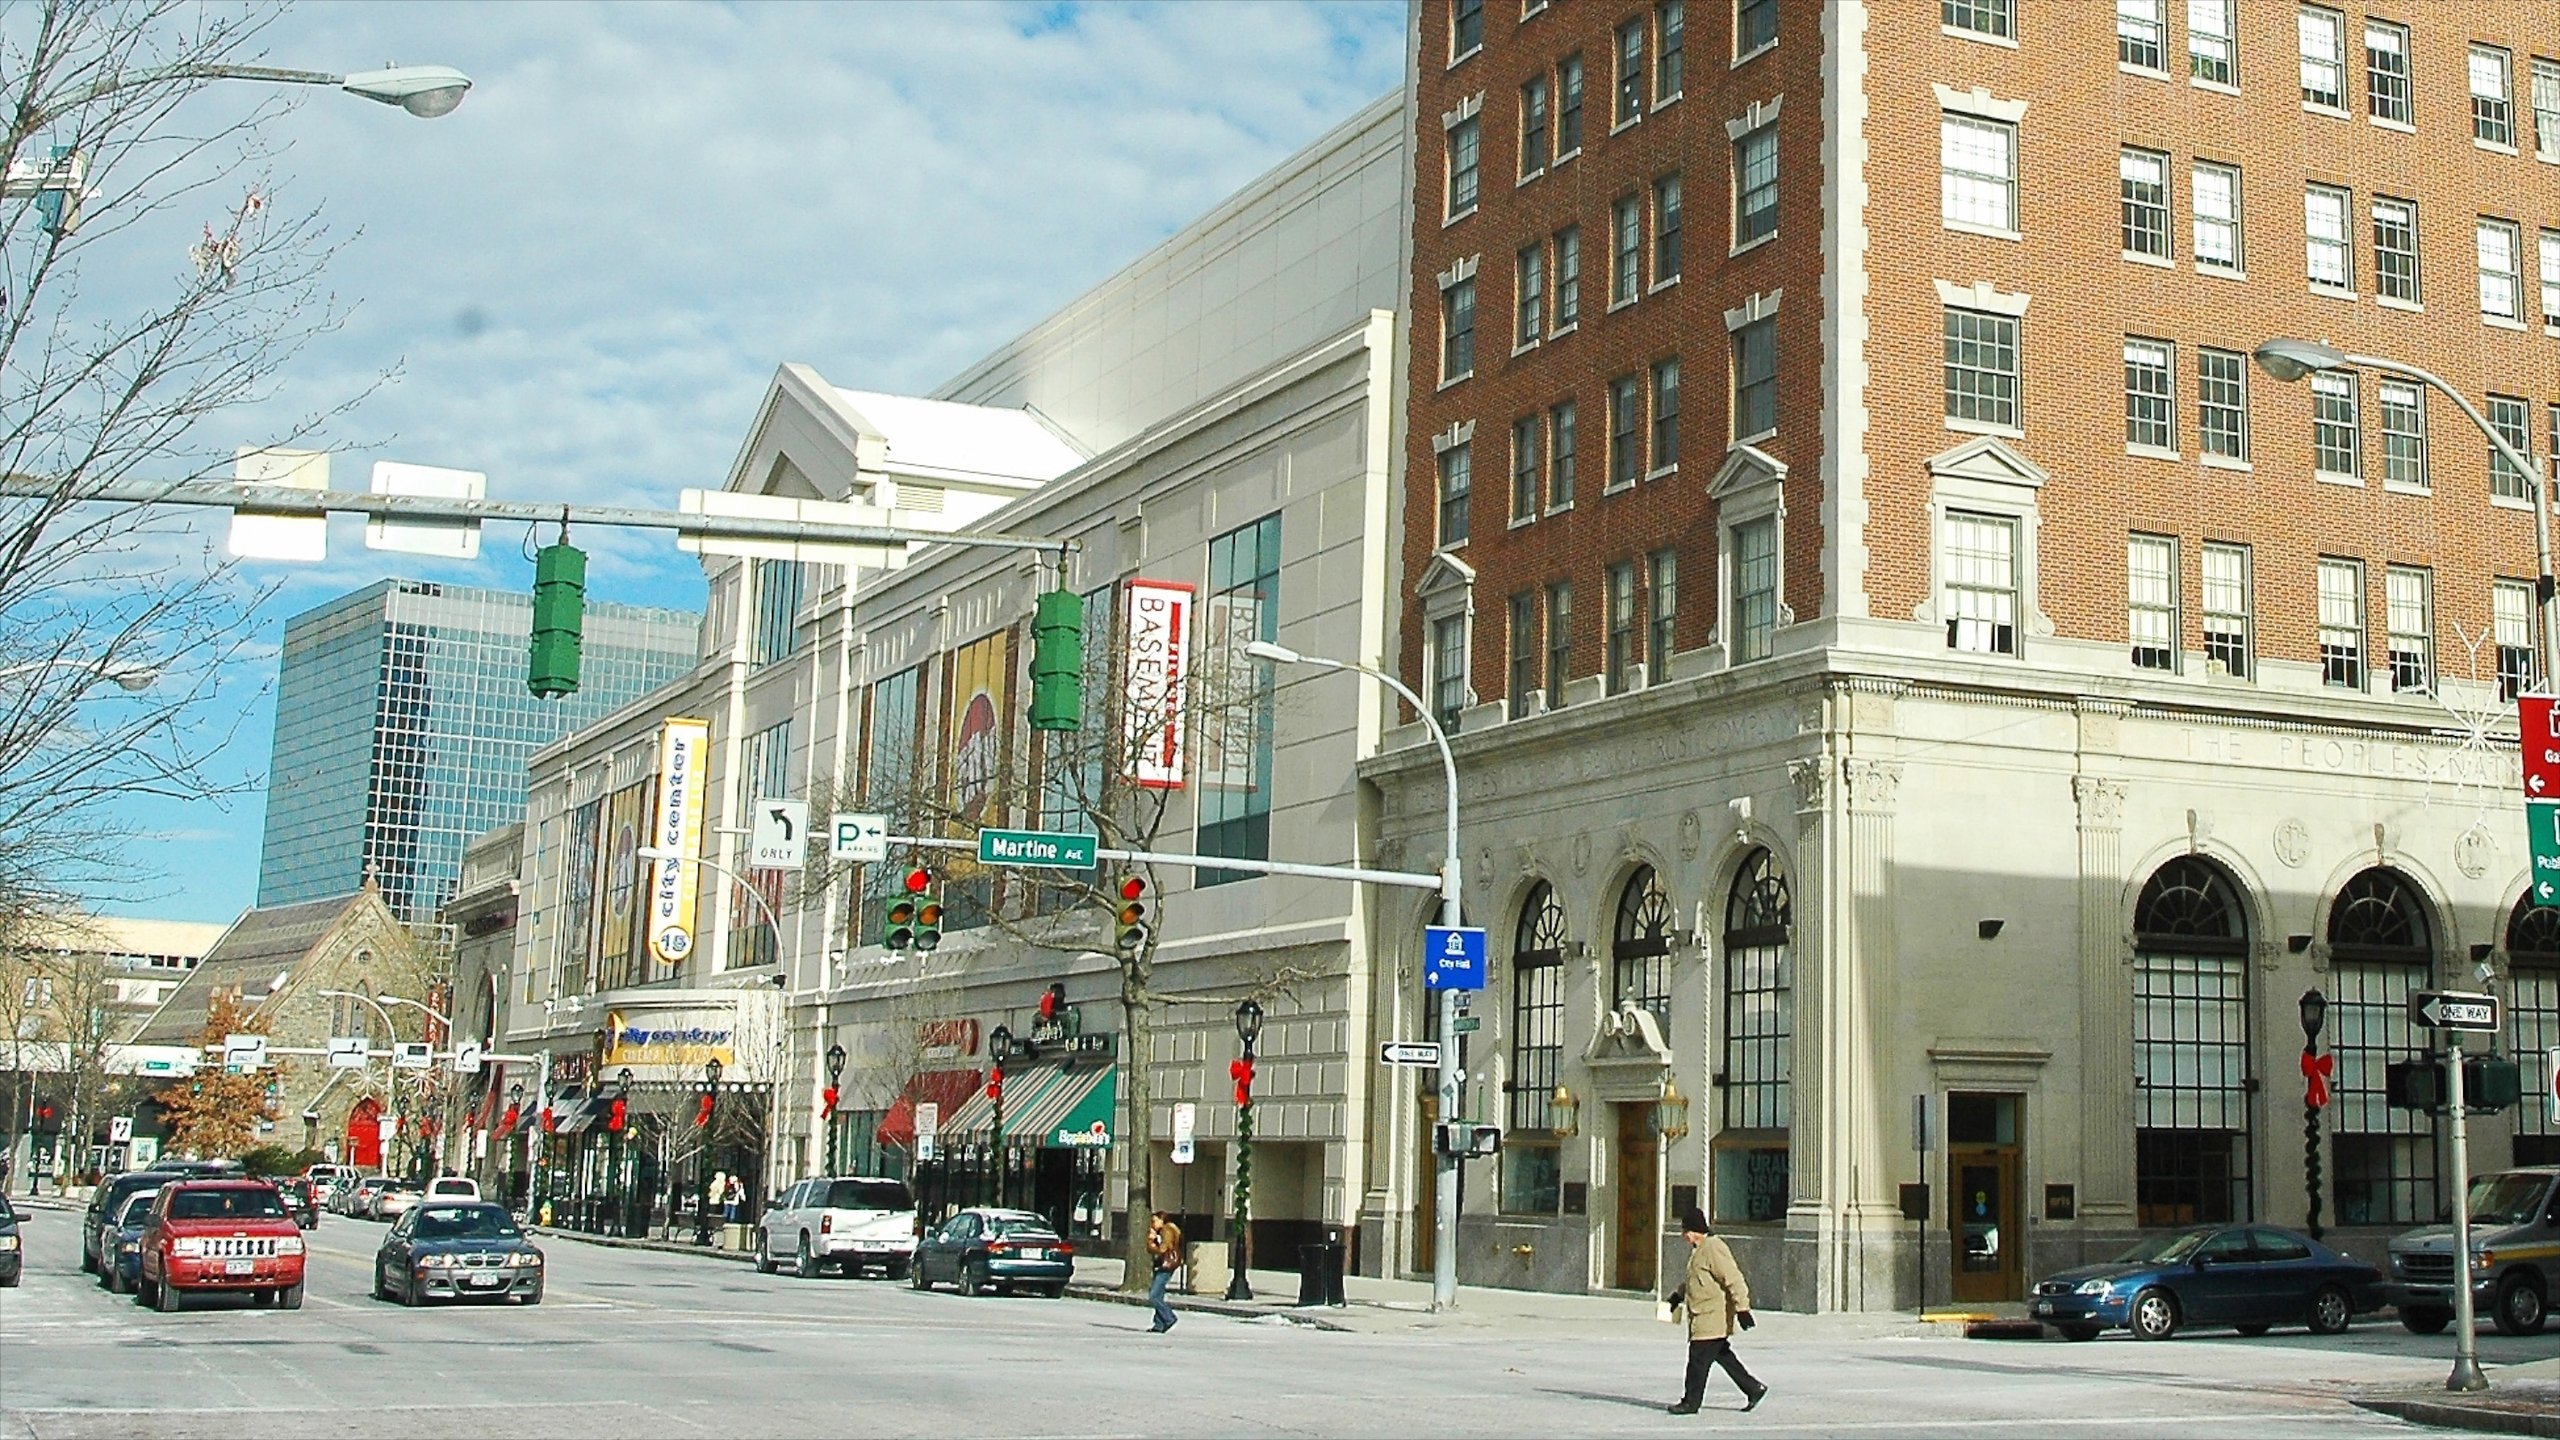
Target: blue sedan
{"x": 122, "y": 1243}
{"x": 2249, "y": 1277}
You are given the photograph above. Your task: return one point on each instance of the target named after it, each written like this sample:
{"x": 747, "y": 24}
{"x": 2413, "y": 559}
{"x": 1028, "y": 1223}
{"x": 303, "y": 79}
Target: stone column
{"x": 1808, "y": 1190}
{"x": 2106, "y": 1011}
{"x": 1857, "y": 1014}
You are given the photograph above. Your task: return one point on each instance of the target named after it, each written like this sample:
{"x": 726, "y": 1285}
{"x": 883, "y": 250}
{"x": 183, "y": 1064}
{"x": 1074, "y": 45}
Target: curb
{"x": 1111, "y": 1295}
{"x": 2455, "y": 1415}
{"x": 624, "y": 1242}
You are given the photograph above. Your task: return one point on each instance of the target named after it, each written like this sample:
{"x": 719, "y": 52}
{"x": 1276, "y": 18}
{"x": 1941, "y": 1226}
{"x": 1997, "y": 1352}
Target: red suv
{"x": 220, "y": 1235}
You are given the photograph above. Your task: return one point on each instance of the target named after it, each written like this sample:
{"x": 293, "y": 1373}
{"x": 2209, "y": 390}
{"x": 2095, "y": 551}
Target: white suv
{"x": 853, "y": 1222}
{"x": 453, "y": 1187}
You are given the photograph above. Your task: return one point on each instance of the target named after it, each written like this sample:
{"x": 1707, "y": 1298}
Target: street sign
{"x": 928, "y": 1128}
{"x": 347, "y": 1052}
{"x": 1466, "y": 1025}
{"x": 244, "y": 1053}
{"x": 1453, "y": 957}
{"x": 1047, "y": 849}
{"x": 1416, "y": 1054}
{"x": 412, "y": 1055}
{"x": 2542, "y": 839}
{"x": 781, "y": 835}
{"x": 2454, "y": 1010}
{"x": 2551, "y": 1082}
{"x": 863, "y": 839}
{"x": 120, "y": 1130}
{"x": 466, "y": 1058}
{"x": 1186, "y": 1119}
{"x": 146, "y": 1151}
{"x": 2535, "y": 717}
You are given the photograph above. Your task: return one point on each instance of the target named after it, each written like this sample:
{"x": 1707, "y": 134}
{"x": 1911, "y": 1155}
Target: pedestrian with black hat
{"x": 1717, "y": 1300}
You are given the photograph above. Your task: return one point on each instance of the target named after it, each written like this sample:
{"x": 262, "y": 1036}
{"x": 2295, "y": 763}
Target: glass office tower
{"x": 403, "y": 729}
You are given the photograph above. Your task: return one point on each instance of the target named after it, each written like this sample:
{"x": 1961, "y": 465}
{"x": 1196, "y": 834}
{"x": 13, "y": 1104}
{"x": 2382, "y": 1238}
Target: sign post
{"x": 860, "y": 838}
{"x": 1045, "y": 849}
{"x": 2454, "y": 1012}
{"x": 928, "y": 1128}
{"x": 1453, "y": 957}
{"x": 781, "y": 835}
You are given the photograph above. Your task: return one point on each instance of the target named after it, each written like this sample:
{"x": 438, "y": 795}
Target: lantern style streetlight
{"x": 1248, "y": 1030}
{"x": 702, "y": 1167}
{"x": 835, "y": 1079}
{"x": 2314, "y": 1011}
{"x": 999, "y": 1050}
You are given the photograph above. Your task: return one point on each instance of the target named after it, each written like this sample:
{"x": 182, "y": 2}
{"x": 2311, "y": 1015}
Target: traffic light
{"x": 48, "y": 1121}
{"x": 2490, "y": 1082}
{"x": 1129, "y": 925}
{"x": 2414, "y": 1084}
{"x": 559, "y": 610}
{"x": 928, "y": 917}
{"x": 899, "y": 932}
{"x": 1057, "y": 661}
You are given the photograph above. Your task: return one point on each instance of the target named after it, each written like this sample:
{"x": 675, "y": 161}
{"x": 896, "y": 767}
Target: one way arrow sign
{"x": 779, "y": 828}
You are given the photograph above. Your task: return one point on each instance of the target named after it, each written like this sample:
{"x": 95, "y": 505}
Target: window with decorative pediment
{"x": 2190, "y": 1047}
{"x": 1640, "y": 948}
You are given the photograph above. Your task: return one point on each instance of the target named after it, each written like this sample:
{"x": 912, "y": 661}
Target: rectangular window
{"x": 1979, "y": 17}
{"x": 1568, "y": 277}
{"x": 1982, "y": 367}
{"x": 1981, "y": 560}
{"x": 1458, "y": 331}
{"x": 2492, "y": 112}
{"x": 2337, "y": 442}
{"x": 2499, "y": 280}
{"x": 2342, "y": 623}
{"x": 1568, "y": 107}
{"x": 1755, "y": 379}
{"x": 1466, "y": 143}
{"x": 1977, "y": 172}
{"x": 2139, "y": 27}
{"x": 1456, "y": 480}
{"x": 1448, "y": 669}
{"x": 1662, "y": 608}
{"x": 1466, "y": 28}
{"x": 1626, "y": 250}
{"x": 2409, "y": 628}
{"x": 2191, "y": 1082}
{"x": 780, "y": 585}
{"x": 1560, "y": 457}
{"x": 1755, "y": 589}
{"x": 1236, "y": 749}
{"x": 1527, "y": 461}
{"x": 1755, "y": 185}
{"x": 2150, "y": 395}
{"x": 1528, "y": 288}
{"x": 1670, "y": 61}
{"x": 2151, "y": 600}
{"x": 1620, "y": 653}
{"x": 1534, "y": 135}
{"x": 2384, "y": 1160}
{"x": 2404, "y": 436}
{"x": 2395, "y": 249}
{"x": 2323, "y": 36}
{"x": 2324, "y": 230}
{"x": 2226, "y": 608}
{"x": 1559, "y": 641}
{"x": 1624, "y": 463}
{"x": 1755, "y": 25}
{"x": 1523, "y": 652}
{"x": 2211, "y": 43}
{"x": 2217, "y": 219}
{"x": 1537, "y": 1050}
{"x": 2547, "y": 247}
{"x": 1666, "y": 415}
{"x": 1630, "y": 73}
{"x": 2511, "y": 418}
{"x": 2222, "y": 403}
{"x": 2386, "y": 71}
{"x": 2546, "y": 108}
{"x": 2511, "y": 606}
{"x": 1666, "y": 229}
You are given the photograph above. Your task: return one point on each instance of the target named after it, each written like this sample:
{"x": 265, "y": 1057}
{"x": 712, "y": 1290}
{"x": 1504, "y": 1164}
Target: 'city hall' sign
{"x": 683, "y": 759}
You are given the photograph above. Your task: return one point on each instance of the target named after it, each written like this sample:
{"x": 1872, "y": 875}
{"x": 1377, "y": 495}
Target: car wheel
{"x": 289, "y": 1298}
{"x": 1053, "y": 1292}
{"x": 915, "y": 1278}
{"x": 111, "y": 1280}
{"x": 806, "y": 1267}
{"x": 2331, "y": 1310}
{"x": 88, "y": 1264}
{"x": 2154, "y": 1315}
{"x": 764, "y": 1253}
{"x": 2252, "y": 1331}
{"x": 166, "y": 1299}
{"x": 381, "y": 1285}
{"x": 973, "y": 1278}
{"x": 2069, "y": 1332}
{"x": 2520, "y": 1306}
{"x": 2424, "y": 1319}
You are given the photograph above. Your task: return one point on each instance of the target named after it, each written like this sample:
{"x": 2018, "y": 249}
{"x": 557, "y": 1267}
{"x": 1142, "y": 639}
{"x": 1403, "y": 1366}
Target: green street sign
{"x": 1048, "y": 849}
{"x": 2542, "y": 834}
{"x": 1466, "y": 1024}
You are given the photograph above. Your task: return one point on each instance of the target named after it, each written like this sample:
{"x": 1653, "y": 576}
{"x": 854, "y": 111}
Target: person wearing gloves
{"x": 1717, "y": 1300}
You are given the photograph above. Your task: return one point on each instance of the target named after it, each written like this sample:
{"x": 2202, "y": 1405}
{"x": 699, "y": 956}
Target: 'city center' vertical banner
{"x": 683, "y": 762}
{"x": 1159, "y": 639}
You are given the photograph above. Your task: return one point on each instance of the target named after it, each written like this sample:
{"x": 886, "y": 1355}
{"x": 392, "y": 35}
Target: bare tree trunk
{"x": 1137, "y": 1011}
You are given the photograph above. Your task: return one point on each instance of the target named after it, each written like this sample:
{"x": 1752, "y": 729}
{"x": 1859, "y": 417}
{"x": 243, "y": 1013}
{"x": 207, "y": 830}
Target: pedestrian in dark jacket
{"x": 1717, "y": 1300}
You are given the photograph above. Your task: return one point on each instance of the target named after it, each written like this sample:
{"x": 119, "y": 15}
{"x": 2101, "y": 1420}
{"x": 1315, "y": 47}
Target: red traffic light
{"x": 919, "y": 880}
{"x": 1133, "y": 887}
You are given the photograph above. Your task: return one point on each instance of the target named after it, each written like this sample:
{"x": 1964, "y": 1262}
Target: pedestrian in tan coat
{"x": 1717, "y": 1300}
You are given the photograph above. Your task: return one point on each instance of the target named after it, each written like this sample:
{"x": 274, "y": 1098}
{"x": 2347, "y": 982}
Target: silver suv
{"x": 853, "y": 1222}
{"x": 2515, "y": 1257}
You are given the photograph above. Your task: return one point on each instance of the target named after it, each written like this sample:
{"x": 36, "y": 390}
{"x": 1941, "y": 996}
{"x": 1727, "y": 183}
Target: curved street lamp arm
{"x": 716, "y": 868}
{"x": 1448, "y": 773}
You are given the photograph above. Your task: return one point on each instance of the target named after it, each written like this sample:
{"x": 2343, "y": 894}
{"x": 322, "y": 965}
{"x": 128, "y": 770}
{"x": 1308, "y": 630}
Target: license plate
{"x": 239, "y": 1267}
{"x": 484, "y": 1281}
{"x": 2044, "y": 1307}
{"x": 1035, "y": 1254}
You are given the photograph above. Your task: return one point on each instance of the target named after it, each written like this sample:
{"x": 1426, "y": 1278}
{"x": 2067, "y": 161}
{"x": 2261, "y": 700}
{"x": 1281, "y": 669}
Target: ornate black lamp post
{"x": 835, "y": 1075}
{"x": 1248, "y": 1029}
{"x": 702, "y": 1167}
{"x": 617, "y": 1194}
{"x": 2315, "y": 1097}
{"x": 999, "y": 1050}
{"x": 515, "y": 1127}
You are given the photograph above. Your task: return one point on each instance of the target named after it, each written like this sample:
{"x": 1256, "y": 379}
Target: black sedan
{"x": 2248, "y": 1277}
{"x": 989, "y": 1249}
{"x": 457, "y": 1250}
{"x": 13, "y": 1260}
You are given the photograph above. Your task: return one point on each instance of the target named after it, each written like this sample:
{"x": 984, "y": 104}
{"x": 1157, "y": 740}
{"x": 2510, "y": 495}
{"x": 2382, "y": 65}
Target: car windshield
{"x": 869, "y": 1195}
{"x": 136, "y": 1207}
{"x": 466, "y": 1222}
{"x": 2164, "y": 1249}
{"x": 1018, "y": 1225}
{"x": 226, "y": 1205}
{"x": 2506, "y": 1199}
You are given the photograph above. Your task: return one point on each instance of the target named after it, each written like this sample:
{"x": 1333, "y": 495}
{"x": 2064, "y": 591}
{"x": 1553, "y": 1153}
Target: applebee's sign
{"x": 1159, "y": 640}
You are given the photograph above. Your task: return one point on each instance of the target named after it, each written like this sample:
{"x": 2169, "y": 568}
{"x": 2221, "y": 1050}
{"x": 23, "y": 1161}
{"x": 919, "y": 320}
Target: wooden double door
{"x": 1639, "y": 1177}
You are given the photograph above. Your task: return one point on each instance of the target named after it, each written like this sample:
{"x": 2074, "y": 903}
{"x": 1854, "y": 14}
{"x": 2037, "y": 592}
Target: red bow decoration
{"x": 827, "y": 1103}
{"x": 550, "y": 1122}
{"x": 508, "y": 1125}
{"x": 1241, "y": 1071}
{"x": 2315, "y": 1079}
{"x": 703, "y": 1115}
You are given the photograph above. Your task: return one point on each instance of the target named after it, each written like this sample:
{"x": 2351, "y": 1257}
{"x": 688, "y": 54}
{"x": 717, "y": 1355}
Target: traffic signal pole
{"x": 2466, "y": 1334}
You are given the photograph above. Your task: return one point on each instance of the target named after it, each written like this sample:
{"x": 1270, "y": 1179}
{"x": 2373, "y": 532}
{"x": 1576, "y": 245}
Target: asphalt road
{"x": 633, "y": 1343}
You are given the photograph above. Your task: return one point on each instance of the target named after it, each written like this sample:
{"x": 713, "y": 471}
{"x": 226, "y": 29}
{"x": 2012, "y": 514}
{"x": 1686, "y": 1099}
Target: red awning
{"x": 946, "y": 1088}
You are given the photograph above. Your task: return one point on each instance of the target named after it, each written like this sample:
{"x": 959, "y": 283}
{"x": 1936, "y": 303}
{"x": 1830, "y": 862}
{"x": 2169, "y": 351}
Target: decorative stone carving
{"x": 1582, "y": 852}
{"x": 1689, "y": 834}
{"x": 2471, "y": 852}
{"x": 1812, "y": 780}
{"x": 2101, "y": 801}
{"x": 1873, "y": 785}
{"x": 2293, "y": 843}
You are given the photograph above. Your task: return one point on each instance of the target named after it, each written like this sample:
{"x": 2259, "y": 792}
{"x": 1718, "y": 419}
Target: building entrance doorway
{"x": 1639, "y": 1200}
{"x": 1982, "y": 1193}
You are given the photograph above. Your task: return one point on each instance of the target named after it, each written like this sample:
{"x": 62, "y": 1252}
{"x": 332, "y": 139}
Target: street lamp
{"x": 2315, "y": 1097}
{"x": 835, "y": 1077}
{"x": 614, "y": 1183}
{"x": 1444, "y": 1250}
{"x": 660, "y": 854}
{"x": 702, "y": 1167}
{"x": 425, "y": 91}
{"x": 132, "y": 678}
{"x": 999, "y": 1050}
{"x": 1248, "y": 1030}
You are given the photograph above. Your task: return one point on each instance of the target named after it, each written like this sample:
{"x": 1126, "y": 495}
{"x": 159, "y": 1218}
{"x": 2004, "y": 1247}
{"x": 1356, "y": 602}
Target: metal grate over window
{"x": 2192, "y": 1147}
{"x": 1759, "y": 986}
{"x": 1640, "y": 948}
{"x": 2533, "y": 967}
{"x": 2381, "y": 949}
{"x": 1537, "y": 1010}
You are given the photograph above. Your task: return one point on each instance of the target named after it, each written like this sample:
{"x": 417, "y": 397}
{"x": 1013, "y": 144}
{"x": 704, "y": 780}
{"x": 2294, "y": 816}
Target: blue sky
{"x": 581, "y": 281}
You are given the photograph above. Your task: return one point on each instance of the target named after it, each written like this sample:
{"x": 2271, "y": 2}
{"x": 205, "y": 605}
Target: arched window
{"x": 1640, "y": 948}
{"x": 2381, "y": 947}
{"x": 1532, "y": 1162}
{"x": 2190, "y": 1047}
{"x": 1759, "y": 1027}
{"x": 2533, "y": 967}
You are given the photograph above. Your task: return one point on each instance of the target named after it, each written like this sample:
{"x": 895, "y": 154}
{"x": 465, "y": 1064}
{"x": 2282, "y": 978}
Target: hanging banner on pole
{"x": 1159, "y": 641}
{"x": 683, "y": 760}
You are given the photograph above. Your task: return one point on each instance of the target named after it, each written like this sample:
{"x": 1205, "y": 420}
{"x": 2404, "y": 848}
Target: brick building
{"x": 1903, "y": 656}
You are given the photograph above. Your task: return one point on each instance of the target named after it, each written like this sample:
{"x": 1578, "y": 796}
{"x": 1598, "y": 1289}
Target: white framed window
{"x": 1755, "y": 185}
{"x": 1559, "y": 641}
{"x": 2328, "y": 256}
{"x": 2499, "y": 281}
{"x": 1755, "y": 379}
{"x": 2409, "y": 630}
{"x": 1466, "y": 152}
{"x": 1449, "y": 669}
{"x": 1978, "y": 173}
{"x": 2227, "y": 619}
{"x": 2141, "y": 26}
{"x": 1662, "y": 610}
{"x": 1528, "y": 289}
{"x": 2151, "y": 600}
{"x": 1457, "y": 331}
{"x": 1755, "y": 27}
{"x": 1528, "y": 467}
{"x": 1666, "y": 415}
{"x": 1625, "y": 464}
{"x": 2322, "y": 33}
{"x": 2217, "y": 218}
{"x": 1666, "y": 229}
{"x": 1466, "y": 28}
{"x": 2511, "y": 419}
{"x": 2395, "y": 249}
{"x": 2547, "y": 250}
{"x": 1631, "y": 75}
{"x": 1457, "y": 479}
{"x": 2337, "y": 445}
{"x": 2150, "y": 396}
{"x": 2342, "y": 623}
{"x": 2386, "y": 72}
{"x": 2546, "y": 108}
{"x": 2492, "y": 106}
{"x": 1996, "y": 18}
{"x": 2222, "y": 404}
{"x": 2142, "y": 178}
{"x": 1619, "y": 635}
{"x": 1536, "y": 139}
{"x": 1670, "y": 50}
{"x": 2212, "y": 45}
{"x": 2511, "y": 616}
{"x": 1568, "y": 278}
{"x": 1626, "y": 250}
{"x": 1981, "y": 367}
{"x": 1981, "y": 568}
{"x": 1755, "y": 589}
{"x": 1560, "y": 456}
{"x": 1522, "y": 653}
{"x": 2404, "y": 435}
{"x": 1568, "y": 108}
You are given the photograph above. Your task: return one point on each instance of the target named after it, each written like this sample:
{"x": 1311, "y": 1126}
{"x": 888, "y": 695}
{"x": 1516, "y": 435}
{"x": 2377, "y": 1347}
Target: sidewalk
{"x": 2521, "y": 1400}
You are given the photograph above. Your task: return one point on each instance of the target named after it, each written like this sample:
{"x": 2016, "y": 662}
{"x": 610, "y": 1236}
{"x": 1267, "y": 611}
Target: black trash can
{"x": 1320, "y": 1271}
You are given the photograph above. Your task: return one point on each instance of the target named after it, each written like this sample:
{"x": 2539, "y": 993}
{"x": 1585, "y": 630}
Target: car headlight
{"x": 186, "y": 1245}
{"x": 8, "y": 1243}
{"x": 525, "y": 1258}
{"x": 129, "y": 1247}
{"x": 2091, "y": 1287}
{"x": 2485, "y": 1260}
{"x": 290, "y": 1245}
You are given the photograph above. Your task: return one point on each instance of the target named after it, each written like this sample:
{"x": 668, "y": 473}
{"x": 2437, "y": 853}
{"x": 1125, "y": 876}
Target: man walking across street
{"x": 1717, "y": 1300}
{"x": 1164, "y": 1254}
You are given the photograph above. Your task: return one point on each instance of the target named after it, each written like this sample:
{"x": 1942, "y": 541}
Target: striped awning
{"x": 1046, "y": 1106}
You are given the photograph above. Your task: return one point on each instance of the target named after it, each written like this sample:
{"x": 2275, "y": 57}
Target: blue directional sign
{"x": 1453, "y": 958}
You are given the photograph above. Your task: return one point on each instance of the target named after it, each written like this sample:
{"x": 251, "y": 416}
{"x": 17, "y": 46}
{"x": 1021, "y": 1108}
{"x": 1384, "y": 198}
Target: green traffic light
{"x": 1057, "y": 661}
{"x": 559, "y": 610}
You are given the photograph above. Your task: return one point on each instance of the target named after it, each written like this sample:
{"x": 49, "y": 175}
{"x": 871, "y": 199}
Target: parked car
{"x": 393, "y": 1201}
{"x": 302, "y": 1200}
{"x": 453, "y": 1187}
{"x": 443, "y": 1250}
{"x": 2515, "y": 1257}
{"x": 323, "y": 1174}
{"x": 217, "y": 1235}
{"x": 989, "y": 1249}
{"x": 202, "y": 1169}
{"x": 123, "y": 1243}
{"x": 2249, "y": 1277}
{"x": 13, "y": 1259}
{"x": 853, "y": 1222}
{"x": 356, "y": 1200}
{"x": 104, "y": 1202}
